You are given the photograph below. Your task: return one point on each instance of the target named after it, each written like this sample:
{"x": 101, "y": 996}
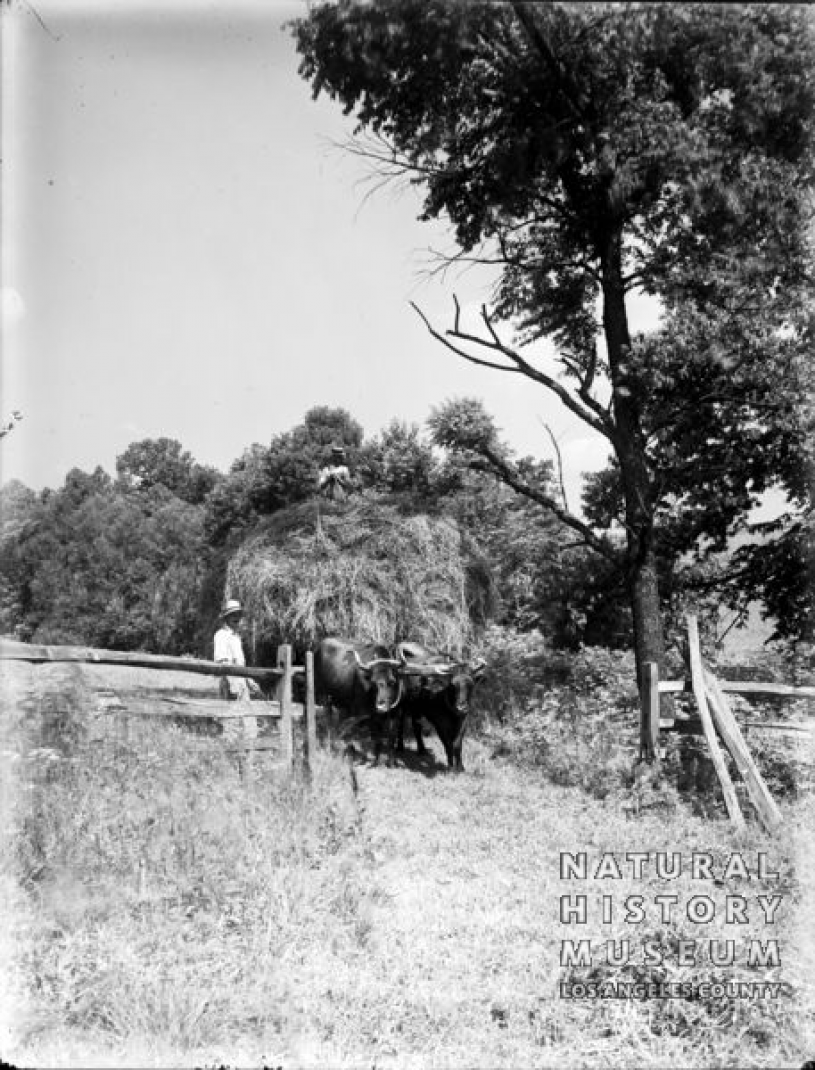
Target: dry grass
{"x": 413, "y": 925}
{"x": 160, "y": 899}
{"x": 472, "y": 926}
{"x": 368, "y": 572}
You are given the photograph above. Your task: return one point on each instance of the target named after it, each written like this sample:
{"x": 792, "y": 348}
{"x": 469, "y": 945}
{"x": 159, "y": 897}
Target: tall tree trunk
{"x": 643, "y": 587}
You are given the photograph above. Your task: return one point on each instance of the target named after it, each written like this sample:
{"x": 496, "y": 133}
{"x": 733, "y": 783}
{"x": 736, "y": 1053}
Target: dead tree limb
{"x": 559, "y": 457}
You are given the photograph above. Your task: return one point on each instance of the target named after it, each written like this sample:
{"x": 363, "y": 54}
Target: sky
{"x": 189, "y": 252}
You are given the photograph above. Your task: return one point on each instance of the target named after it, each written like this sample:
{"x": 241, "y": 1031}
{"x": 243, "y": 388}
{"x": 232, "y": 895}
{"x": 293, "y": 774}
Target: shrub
{"x": 582, "y": 730}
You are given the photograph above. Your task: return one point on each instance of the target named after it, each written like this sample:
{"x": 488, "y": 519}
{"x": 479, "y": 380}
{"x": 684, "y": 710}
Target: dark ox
{"x": 441, "y": 691}
{"x": 362, "y": 679}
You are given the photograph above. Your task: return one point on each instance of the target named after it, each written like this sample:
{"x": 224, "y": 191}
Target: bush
{"x": 575, "y": 720}
{"x": 520, "y": 669}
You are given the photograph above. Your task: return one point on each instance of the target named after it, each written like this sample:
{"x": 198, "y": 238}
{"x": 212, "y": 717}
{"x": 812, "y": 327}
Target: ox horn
{"x": 375, "y": 661}
{"x": 399, "y": 695}
{"x": 438, "y": 670}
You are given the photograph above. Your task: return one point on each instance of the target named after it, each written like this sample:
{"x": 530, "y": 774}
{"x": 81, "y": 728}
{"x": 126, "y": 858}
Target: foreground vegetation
{"x": 162, "y": 899}
{"x": 169, "y": 911}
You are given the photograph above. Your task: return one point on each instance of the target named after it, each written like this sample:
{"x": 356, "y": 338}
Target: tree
{"x": 18, "y": 507}
{"x": 325, "y": 426}
{"x": 398, "y": 460}
{"x": 240, "y": 497}
{"x": 592, "y": 151}
{"x": 296, "y": 457}
{"x": 97, "y": 564}
{"x": 164, "y": 462}
{"x": 264, "y": 480}
{"x": 784, "y": 571}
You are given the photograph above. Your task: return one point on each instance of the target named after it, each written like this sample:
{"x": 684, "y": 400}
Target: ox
{"x": 439, "y": 690}
{"x": 362, "y": 679}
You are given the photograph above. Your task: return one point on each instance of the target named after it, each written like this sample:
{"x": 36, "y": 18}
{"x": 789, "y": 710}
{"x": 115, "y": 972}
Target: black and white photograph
{"x": 407, "y": 535}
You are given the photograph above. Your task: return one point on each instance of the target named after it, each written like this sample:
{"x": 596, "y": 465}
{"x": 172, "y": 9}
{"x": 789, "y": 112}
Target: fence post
{"x": 311, "y": 714}
{"x": 733, "y": 739}
{"x": 649, "y": 715}
{"x": 698, "y": 682}
{"x": 284, "y": 698}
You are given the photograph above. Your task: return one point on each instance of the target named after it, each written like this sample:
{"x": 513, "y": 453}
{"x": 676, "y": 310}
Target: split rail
{"x": 276, "y": 681}
{"x": 717, "y": 723}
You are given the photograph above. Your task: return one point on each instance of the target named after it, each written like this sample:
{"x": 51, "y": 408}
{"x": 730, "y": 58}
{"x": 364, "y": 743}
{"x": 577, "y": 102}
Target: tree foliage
{"x": 129, "y": 564}
{"x": 265, "y": 479}
{"x": 595, "y": 151}
{"x": 399, "y": 461}
{"x": 90, "y": 563}
{"x": 163, "y": 462}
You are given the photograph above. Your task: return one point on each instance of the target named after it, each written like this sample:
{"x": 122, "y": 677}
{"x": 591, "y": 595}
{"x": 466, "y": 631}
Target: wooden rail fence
{"x": 717, "y": 722}
{"x": 277, "y": 680}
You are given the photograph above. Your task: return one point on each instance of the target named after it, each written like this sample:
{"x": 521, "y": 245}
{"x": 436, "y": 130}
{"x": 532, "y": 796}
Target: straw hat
{"x": 231, "y": 608}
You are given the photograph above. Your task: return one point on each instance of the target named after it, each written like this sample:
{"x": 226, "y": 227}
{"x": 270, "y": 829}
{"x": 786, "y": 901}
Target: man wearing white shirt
{"x": 229, "y": 651}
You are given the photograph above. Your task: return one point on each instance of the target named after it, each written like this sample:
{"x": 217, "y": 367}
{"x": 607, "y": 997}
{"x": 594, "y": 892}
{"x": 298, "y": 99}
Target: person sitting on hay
{"x": 229, "y": 651}
{"x": 334, "y": 480}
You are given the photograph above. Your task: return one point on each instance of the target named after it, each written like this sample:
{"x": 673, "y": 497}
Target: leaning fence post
{"x": 698, "y": 683}
{"x": 731, "y": 734}
{"x": 284, "y": 697}
{"x": 649, "y": 719}
{"x": 311, "y": 713}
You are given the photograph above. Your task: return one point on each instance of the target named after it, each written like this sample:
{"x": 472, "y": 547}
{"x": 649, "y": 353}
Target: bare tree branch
{"x": 559, "y": 457}
{"x": 388, "y": 156}
{"x": 486, "y": 318}
{"x": 460, "y": 352}
{"x": 439, "y": 263}
{"x": 511, "y": 478}
{"x": 590, "y": 413}
{"x": 458, "y": 313}
{"x": 442, "y": 262}
{"x": 11, "y": 423}
{"x": 585, "y": 380}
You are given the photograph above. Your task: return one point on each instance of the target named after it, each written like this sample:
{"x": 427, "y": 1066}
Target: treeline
{"x": 137, "y": 560}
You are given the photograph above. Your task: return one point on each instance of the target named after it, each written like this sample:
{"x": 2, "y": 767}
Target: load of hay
{"x": 358, "y": 569}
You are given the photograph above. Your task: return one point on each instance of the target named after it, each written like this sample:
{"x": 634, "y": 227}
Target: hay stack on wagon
{"x": 364, "y": 571}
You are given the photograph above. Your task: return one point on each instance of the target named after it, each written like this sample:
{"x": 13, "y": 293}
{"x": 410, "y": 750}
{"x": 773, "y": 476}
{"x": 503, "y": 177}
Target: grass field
{"x": 166, "y": 911}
